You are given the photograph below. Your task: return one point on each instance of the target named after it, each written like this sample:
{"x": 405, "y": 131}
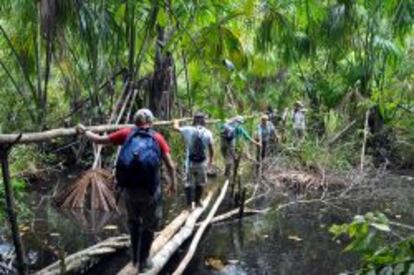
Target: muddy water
{"x": 296, "y": 240}
{"x": 293, "y": 241}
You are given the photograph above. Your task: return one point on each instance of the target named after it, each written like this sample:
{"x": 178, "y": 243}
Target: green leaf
{"x": 248, "y": 7}
{"x": 119, "y": 14}
{"x": 162, "y": 18}
{"x": 381, "y": 227}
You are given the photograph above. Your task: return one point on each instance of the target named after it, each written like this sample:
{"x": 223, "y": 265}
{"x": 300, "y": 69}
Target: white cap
{"x": 238, "y": 119}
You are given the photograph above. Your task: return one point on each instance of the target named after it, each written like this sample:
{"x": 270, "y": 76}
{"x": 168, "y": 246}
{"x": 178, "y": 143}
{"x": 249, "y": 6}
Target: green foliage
{"x": 280, "y": 51}
{"x": 19, "y": 187}
{"x": 26, "y": 158}
{"x": 368, "y": 235}
{"x": 312, "y": 154}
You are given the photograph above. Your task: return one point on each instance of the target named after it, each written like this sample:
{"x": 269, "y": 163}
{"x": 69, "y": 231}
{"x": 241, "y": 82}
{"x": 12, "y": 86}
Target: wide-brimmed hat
{"x": 298, "y": 103}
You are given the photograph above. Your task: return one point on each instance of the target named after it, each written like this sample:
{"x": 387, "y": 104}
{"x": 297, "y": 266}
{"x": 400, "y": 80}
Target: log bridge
{"x": 81, "y": 260}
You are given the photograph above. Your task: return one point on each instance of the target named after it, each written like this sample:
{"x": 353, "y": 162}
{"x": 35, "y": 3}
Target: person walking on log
{"x": 138, "y": 177}
{"x": 198, "y": 140}
{"x": 299, "y": 121}
{"x": 230, "y": 134}
{"x": 266, "y": 132}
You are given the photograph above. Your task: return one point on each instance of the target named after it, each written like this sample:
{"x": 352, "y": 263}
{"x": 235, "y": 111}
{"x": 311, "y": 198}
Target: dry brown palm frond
{"x": 94, "y": 189}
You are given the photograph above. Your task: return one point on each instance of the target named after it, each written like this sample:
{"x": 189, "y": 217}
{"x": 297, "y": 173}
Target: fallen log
{"x": 162, "y": 257}
{"x": 230, "y": 214}
{"x": 81, "y": 261}
{"x": 187, "y": 258}
{"x": 84, "y": 259}
{"x": 364, "y": 142}
{"x": 64, "y": 132}
{"x": 165, "y": 235}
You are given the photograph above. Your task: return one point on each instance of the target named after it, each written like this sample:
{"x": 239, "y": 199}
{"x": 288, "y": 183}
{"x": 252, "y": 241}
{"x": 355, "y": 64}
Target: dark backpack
{"x": 228, "y": 132}
{"x": 197, "y": 147}
{"x": 139, "y": 161}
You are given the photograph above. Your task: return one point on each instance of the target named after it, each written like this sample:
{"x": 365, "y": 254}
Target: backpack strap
{"x": 136, "y": 131}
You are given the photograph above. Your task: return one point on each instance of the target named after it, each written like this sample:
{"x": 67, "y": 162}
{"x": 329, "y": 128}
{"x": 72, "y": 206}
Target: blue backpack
{"x": 139, "y": 161}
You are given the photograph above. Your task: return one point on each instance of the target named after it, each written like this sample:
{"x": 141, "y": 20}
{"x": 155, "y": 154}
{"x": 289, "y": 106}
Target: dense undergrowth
{"x": 65, "y": 62}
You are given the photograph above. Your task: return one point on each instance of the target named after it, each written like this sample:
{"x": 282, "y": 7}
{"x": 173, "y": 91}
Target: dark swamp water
{"x": 292, "y": 241}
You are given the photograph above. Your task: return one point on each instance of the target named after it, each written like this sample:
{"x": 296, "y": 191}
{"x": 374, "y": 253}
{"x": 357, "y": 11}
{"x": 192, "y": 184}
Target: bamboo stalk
{"x": 182, "y": 266}
{"x": 364, "y": 142}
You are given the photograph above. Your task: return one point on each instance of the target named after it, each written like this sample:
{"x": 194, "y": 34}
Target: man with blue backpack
{"x": 198, "y": 140}
{"x": 138, "y": 177}
{"x": 231, "y": 133}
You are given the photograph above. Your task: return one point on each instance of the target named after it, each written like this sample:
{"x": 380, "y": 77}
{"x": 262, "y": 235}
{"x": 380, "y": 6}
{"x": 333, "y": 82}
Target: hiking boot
{"x": 191, "y": 207}
{"x": 189, "y": 197}
{"x": 198, "y": 193}
{"x": 145, "y": 265}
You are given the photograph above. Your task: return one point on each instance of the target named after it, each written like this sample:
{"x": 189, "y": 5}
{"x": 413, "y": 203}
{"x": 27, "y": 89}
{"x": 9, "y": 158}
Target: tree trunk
{"x": 161, "y": 96}
{"x": 10, "y": 208}
{"x": 64, "y": 132}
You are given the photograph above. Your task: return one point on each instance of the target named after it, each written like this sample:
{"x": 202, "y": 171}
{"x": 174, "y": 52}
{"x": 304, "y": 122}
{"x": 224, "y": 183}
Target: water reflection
{"x": 296, "y": 240}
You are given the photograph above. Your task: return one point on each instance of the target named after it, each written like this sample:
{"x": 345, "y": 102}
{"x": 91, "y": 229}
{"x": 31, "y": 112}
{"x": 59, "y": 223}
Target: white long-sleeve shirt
{"x": 299, "y": 120}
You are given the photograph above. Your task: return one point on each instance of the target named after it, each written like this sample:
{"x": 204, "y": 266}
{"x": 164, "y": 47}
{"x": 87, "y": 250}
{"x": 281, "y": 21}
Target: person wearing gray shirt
{"x": 199, "y": 157}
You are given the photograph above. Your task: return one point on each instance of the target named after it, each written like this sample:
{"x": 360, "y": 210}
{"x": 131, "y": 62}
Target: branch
{"x": 64, "y": 132}
{"x": 341, "y": 133}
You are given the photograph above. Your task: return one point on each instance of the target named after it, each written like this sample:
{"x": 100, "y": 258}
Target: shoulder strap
{"x": 132, "y": 134}
{"x": 144, "y": 132}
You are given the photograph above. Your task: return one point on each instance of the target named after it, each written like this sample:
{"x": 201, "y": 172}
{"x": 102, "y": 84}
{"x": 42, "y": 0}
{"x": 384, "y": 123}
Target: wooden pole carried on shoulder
{"x": 65, "y": 132}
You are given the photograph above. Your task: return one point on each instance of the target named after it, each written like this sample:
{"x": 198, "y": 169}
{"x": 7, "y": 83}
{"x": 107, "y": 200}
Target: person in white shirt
{"x": 199, "y": 157}
{"x": 299, "y": 120}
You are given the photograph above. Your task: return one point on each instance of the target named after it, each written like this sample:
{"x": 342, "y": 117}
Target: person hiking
{"x": 138, "y": 177}
{"x": 230, "y": 134}
{"x": 266, "y": 132}
{"x": 299, "y": 123}
{"x": 198, "y": 140}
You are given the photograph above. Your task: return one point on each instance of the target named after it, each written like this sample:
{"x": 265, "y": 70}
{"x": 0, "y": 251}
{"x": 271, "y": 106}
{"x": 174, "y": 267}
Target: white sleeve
{"x": 186, "y": 132}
